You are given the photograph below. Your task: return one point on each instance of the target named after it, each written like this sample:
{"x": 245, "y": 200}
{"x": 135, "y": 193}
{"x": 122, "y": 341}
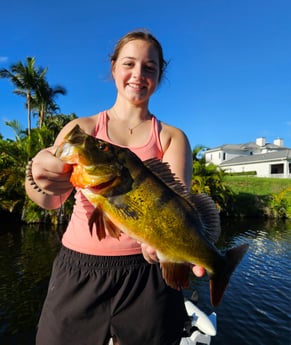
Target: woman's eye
{"x": 151, "y": 68}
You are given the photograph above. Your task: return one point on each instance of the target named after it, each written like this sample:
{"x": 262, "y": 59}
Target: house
{"x": 267, "y": 160}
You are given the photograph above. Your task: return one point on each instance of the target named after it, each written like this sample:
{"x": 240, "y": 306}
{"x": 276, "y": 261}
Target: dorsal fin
{"x": 163, "y": 172}
{"x": 202, "y": 203}
{"x": 209, "y": 215}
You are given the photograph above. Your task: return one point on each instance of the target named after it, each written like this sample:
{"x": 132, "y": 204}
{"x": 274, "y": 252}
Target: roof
{"x": 263, "y": 157}
{"x": 246, "y": 147}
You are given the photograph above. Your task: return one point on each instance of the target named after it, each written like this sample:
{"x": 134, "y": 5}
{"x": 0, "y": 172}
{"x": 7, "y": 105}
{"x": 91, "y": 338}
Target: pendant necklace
{"x": 131, "y": 129}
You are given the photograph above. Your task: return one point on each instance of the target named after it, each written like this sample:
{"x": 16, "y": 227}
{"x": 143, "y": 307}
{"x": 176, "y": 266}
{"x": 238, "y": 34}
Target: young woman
{"x": 99, "y": 289}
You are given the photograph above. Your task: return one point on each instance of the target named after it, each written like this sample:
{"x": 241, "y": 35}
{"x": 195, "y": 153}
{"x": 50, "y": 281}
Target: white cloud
{"x": 3, "y": 59}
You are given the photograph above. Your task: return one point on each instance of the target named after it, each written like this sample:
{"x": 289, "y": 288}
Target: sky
{"x": 229, "y": 75}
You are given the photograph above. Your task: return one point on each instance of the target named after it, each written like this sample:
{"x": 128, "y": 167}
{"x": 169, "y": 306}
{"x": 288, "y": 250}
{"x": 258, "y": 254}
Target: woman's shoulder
{"x": 88, "y": 124}
{"x": 170, "y": 133}
{"x": 172, "y": 136}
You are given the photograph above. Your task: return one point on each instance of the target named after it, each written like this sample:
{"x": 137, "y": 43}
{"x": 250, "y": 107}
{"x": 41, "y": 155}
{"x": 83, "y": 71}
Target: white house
{"x": 268, "y": 160}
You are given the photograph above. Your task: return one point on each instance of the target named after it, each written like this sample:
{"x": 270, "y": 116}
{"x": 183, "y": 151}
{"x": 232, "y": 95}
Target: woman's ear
{"x": 113, "y": 69}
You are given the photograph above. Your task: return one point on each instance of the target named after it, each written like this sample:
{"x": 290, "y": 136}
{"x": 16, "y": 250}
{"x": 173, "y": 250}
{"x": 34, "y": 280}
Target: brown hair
{"x": 141, "y": 35}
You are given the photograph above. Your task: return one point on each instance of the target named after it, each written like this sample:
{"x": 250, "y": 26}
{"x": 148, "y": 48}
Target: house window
{"x": 277, "y": 168}
{"x": 289, "y": 168}
{"x": 224, "y": 156}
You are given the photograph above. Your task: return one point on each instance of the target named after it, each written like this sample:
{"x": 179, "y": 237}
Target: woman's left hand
{"x": 151, "y": 257}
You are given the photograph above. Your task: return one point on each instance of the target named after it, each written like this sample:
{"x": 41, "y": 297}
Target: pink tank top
{"x": 77, "y": 235}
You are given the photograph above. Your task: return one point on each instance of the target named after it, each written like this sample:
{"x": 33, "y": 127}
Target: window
{"x": 277, "y": 168}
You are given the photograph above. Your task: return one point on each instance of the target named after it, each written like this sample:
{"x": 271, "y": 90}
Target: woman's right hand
{"x": 51, "y": 174}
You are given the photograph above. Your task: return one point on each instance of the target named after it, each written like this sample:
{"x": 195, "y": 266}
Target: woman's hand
{"x": 151, "y": 257}
{"x": 149, "y": 253}
{"x": 50, "y": 173}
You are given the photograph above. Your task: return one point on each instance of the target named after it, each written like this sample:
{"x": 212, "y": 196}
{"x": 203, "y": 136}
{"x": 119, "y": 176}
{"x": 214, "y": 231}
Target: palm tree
{"x": 209, "y": 179}
{"x": 57, "y": 122}
{"x": 43, "y": 99}
{"x": 25, "y": 77}
{"x": 14, "y": 155}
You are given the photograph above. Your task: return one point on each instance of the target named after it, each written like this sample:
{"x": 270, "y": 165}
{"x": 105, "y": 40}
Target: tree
{"x": 25, "y": 78}
{"x": 14, "y": 156}
{"x": 43, "y": 99}
{"x": 208, "y": 178}
{"x": 57, "y": 122}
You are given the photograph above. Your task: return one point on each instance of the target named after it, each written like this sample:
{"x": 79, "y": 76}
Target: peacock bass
{"x": 147, "y": 202}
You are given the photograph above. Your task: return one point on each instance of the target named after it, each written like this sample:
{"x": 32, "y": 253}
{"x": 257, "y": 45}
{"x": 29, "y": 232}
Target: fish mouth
{"x": 101, "y": 187}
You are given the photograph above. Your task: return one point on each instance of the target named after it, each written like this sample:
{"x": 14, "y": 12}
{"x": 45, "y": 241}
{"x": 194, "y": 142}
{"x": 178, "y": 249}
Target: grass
{"x": 257, "y": 185}
{"x": 250, "y": 189}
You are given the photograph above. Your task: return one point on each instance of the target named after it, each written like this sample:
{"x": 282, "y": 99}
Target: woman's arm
{"x": 177, "y": 153}
{"x": 47, "y": 181}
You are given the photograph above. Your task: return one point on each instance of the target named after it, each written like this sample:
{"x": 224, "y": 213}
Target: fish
{"x": 146, "y": 201}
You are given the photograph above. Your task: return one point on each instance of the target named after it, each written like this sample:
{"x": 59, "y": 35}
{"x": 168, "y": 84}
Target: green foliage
{"x": 261, "y": 197}
{"x": 243, "y": 173}
{"x": 14, "y": 155}
{"x": 30, "y": 82}
{"x": 209, "y": 179}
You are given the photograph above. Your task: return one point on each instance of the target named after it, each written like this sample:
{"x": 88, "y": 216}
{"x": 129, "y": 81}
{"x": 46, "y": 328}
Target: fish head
{"x": 97, "y": 164}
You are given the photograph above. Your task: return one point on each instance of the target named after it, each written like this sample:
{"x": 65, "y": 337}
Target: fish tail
{"x": 218, "y": 282}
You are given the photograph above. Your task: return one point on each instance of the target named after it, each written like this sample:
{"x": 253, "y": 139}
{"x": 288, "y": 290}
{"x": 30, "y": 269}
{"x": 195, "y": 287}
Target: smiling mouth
{"x": 136, "y": 87}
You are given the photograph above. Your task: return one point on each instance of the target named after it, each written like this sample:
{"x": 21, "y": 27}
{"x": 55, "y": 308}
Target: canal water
{"x": 255, "y": 308}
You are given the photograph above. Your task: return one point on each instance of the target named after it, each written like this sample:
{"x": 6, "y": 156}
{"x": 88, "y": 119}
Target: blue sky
{"x": 229, "y": 77}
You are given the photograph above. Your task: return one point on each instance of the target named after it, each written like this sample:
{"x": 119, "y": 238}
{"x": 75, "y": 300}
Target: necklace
{"x": 131, "y": 129}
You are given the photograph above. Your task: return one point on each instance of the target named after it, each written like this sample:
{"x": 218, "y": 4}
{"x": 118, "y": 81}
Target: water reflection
{"x": 256, "y": 305}
{"x": 255, "y": 309}
{"x": 26, "y": 255}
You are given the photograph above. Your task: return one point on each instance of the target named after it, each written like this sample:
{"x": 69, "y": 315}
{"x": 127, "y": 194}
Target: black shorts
{"x": 91, "y": 298}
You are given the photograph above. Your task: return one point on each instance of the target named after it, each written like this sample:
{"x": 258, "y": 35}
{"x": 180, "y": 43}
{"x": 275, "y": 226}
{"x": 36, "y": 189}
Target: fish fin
{"x": 97, "y": 220}
{"x": 126, "y": 207}
{"x": 112, "y": 229}
{"x": 208, "y": 214}
{"x": 163, "y": 172}
{"x": 102, "y": 222}
{"x": 176, "y": 275}
{"x": 219, "y": 281}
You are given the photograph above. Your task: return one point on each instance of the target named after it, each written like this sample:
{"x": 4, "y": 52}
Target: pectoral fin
{"x": 97, "y": 220}
{"x": 102, "y": 223}
{"x": 112, "y": 229}
{"x": 176, "y": 275}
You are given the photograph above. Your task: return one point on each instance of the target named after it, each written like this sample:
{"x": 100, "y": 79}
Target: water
{"x": 255, "y": 309}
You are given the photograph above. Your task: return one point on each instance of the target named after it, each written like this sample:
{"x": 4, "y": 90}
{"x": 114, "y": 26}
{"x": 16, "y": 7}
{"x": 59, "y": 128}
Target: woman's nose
{"x": 138, "y": 72}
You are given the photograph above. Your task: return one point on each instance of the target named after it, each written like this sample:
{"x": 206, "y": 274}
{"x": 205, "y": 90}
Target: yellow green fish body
{"x": 145, "y": 201}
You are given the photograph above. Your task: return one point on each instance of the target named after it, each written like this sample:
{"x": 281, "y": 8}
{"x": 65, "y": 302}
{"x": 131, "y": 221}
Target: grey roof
{"x": 245, "y": 147}
{"x": 269, "y": 156}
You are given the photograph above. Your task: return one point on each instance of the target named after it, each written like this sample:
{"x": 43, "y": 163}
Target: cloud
{"x": 3, "y": 59}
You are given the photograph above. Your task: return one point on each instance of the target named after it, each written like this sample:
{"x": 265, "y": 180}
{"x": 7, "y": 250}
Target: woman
{"x": 99, "y": 289}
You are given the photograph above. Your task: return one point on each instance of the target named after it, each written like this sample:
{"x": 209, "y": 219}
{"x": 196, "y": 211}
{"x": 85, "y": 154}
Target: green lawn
{"x": 261, "y": 187}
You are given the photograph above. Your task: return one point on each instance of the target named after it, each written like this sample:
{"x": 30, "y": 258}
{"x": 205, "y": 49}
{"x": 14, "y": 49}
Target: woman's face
{"x": 136, "y": 71}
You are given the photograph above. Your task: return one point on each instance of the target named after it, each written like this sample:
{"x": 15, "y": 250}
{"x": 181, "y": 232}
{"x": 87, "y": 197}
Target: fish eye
{"x": 102, "y": 147}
